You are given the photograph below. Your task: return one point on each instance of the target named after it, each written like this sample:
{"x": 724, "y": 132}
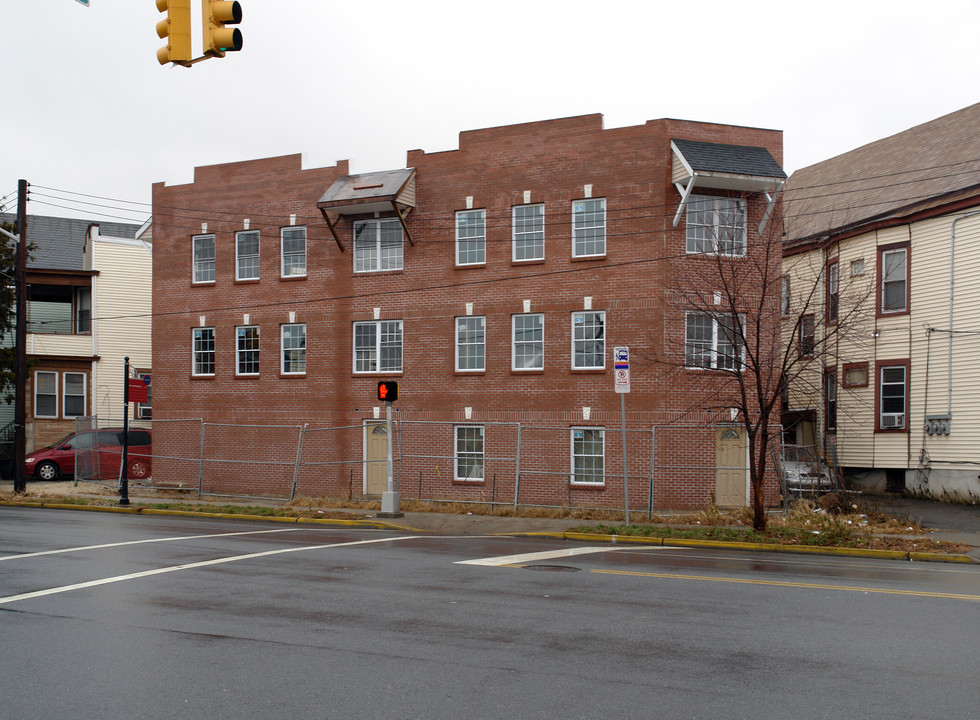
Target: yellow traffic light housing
{"x": 176, "y": 28}
{"x": 218, "y": 38}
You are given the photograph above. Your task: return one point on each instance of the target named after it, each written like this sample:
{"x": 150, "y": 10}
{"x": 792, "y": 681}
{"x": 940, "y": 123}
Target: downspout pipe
{"x": 952, "y": 284}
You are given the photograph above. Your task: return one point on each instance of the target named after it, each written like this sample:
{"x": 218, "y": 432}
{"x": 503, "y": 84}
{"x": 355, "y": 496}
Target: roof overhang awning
{"x": 389, "y": 191}
{"x": 736, "y": 168}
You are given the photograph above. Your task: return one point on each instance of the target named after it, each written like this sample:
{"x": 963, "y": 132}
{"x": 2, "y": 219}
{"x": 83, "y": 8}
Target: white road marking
{"x": 504, "y": 560}
{"x": 188, "y": 566}
{"x": 140, "y": 542}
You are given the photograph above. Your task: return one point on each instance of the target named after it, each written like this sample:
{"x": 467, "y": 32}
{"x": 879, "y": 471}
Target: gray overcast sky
{"x": 89, "y": 109}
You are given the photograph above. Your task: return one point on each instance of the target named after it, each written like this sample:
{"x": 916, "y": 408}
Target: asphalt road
{"x": 123, "y": 616}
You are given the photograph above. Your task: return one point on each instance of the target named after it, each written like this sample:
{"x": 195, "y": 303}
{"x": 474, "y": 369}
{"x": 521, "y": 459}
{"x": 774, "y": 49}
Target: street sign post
{"x": 621, "y": 370}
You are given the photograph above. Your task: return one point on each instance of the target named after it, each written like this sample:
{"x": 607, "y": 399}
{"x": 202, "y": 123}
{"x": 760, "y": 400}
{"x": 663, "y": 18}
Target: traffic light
{"x": 176, "y": 27}
{"x": 387, "y": 390}
{"x": 218, "y": 38}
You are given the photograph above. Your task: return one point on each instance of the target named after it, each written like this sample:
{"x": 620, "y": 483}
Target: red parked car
{"x": 100, "y": 450}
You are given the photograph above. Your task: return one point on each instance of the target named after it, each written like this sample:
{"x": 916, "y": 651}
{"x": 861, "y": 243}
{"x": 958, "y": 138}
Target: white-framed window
{"x": 293, "y": 338}
{"x": 83, "y": 310}
{"x": 203, "y": 355}
{"x": 784, "y": 300}
{"x": 247, "y": 255}
{"x": 378, "y": 346}
{"x": 73, "y": 394}
{"x": 833, "y": 291}
{"x": 293, "y": 240}
{"x": 527, "y": 342}
{"x": 247, "y": 350}
{"x": 830, "y": 398}
{"x": 528, "y": 232}
{"x": 378, "y": 245}
{"x": 471, "y": 343}
{"x": 203, "y": 249}
{"x": 716, "y": 225}
{"x": 45, "y": 394}
{"x": 588, "y": 340}
{"x": 589, "y": 227}
{"x": 894, "y": 280}
{"x": 892, "y": 392}
{"x": 144, "y": 410}
{"x": 471, "y": 237}
{"x": 468, "y": 458}
{"x": 588, "y": 448}
{"x": 713, "y": 341}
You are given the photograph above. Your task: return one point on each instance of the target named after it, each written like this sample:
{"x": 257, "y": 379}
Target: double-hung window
{"x": 74, "y": 394}
{"x": 471, "y": 237}
{"x": 45, "y": 394}
{"x": 589, "y": 228}
{"x": 293, "y": 240}
{"x": 528, "y": 232}
{"x": 247, "y": 350}
{"x": 785, "y": 301}
{"x": 471, "y": 343}
{"x": 528, "y": 342}
{"x": 588, "y": 340}
{"x": 830, "y": 398}
{"x": 144, "y": 410}
{"x": 892, "y": 396}
{"x": 469, "y": 453}
{"x": 716, "y": 225}
{"x": 588, "y": 455}
{"x": 247, "y": 255}
{"x": 833, "y": 291}
{"x": 378, "y": 346}
{"x": 893, "y": 271}
{"x": 203, "y": 248}
{"x": 808, "y": 336}
{"x": 378, "y": 245}
{"x": 714, "y": 341}
{"x": 203, "y": 354}
{"x": 293, "y": 349}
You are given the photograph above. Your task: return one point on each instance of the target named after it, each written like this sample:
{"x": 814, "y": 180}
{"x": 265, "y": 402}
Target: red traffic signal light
{"x": 387, "y": 390}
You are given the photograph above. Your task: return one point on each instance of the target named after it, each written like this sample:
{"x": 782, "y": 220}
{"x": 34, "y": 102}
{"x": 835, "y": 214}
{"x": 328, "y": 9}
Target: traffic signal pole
{"x": 390, "y": 500}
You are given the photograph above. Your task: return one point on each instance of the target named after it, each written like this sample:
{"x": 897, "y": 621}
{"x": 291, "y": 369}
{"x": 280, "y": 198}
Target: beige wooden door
{"x": 730, "y": 481}
{"x": 376, "y": 458}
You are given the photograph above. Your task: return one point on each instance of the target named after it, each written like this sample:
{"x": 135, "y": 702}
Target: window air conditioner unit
{"x": 893, "y": 421}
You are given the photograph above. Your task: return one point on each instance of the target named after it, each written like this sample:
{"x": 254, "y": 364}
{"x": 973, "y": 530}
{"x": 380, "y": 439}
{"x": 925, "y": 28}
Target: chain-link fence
{"x": 95, "y": 452}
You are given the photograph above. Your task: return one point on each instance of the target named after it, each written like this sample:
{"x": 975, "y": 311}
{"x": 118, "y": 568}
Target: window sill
{"x": 461, "y": 481}
{"x": 589, "y": 485}
{"x": 378, "y": 373}
{"x": 287, "y": 376}
{"x": 529, "y": 371}
{"x": 208, "y": 283}
{"x": 469, "y": 373}
{"x": 470, "y": 266}
{"x": 891, "y": 431}
{"x": 588, "y": 371}
{"x": 374, "y": 273}
{"x": 530, "y": 261}
{"x": 586, "y": 258}
{"x": 292, "y": 278}
{"x": 246, "y": 281}
{"x": 202, "y": 377}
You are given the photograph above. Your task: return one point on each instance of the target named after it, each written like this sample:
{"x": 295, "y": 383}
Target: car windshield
{"x": 63, "y": 440}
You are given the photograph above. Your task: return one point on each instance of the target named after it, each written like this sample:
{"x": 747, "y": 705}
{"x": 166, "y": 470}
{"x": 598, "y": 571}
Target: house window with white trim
{"x": 892, "y": 393}
{"x": 203, "y": 354}
{"x": 528, "y": 232}
{"x": 589, "y": 228}
{"x": 293, "y": 240}
{"x": 588, "y": 340}
{"x": 74, "y": 394}
{"x": 247, "y": 255}
{"x": 469, "y": 453}
{"x": 471, "y": 343}
{"x": 45, "y": 394}
{"x": 893, "y": 271}
{"x": 528, "y": 342}
{"x": 471, "y": 237}
{"x": 588, "y": 455}
{"x": 713, "y": 341}
{"x": 378, "y": 245}
{"x": 293, "y": 349}
{"x": 247, "y": 350}
{"x": 144, "y": 410}
{"x": 378, "y": 346}
{"x": 716, "y": 225}
{"x": 203, "y": 250}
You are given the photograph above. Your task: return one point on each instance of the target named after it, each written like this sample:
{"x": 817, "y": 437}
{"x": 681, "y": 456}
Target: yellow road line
{"x": 777, "y": 583}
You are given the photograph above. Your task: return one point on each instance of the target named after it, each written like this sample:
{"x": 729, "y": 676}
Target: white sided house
{"x": 888, "y": 236}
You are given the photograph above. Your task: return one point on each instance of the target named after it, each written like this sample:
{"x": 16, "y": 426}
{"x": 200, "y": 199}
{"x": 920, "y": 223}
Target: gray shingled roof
{"x": 350, "y": 191}
{"x": 734, "y": 159}
{"x": 889, "y": 178}
{"x": 59, "y": 243}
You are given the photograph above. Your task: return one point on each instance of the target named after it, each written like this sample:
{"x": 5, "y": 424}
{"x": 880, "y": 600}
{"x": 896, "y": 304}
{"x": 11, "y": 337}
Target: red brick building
{"x": 492, "y": 282}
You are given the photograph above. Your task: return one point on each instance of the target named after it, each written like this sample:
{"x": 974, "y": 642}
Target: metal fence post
{"x": 200, "y": 472}
{"x": 653, "y": 468}
{"x": 299, "y": 458}
{"x": 517, "y": 471}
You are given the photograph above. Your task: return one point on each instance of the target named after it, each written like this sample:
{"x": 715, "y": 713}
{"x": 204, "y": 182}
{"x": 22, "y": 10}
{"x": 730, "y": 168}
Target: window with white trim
{"x": 247, "y": 255}
{"x": 74, "y": 394}
{"x": 588, "y": 449}
{"x": 378, "y": 346}
{"x": 471, "y": 343}
{"x": 894, "y": 280}
{"x": 527, "y": 342}
{"x": 784, "y": 300}
{"x": 589, "y": 227}
{"x": 830, "y": 398}
{"x": 833, "y": 291}
{"x": 468, "y": 458}
{"x": 713, "y": 341}
{"x": 144, "y": 410}
{"x": 471, "y": 237}
{"x": 247, "y": 350}
{"x": 293, "y": 343}
{"x": 892, "y": 393}
{"x": 203, "y": 354}
{"x": 378, "y": 245}
{"x": 588, "y": 340}
{"x": 293, "y": 257}
{"x": 716, "y": 225}
{"x": 528, "y": 232}
{"x": 45, "y": 394}
{"x": 203, "y": 250}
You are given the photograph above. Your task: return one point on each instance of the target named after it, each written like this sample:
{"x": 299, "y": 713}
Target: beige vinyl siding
{"x": 48, "y": 344}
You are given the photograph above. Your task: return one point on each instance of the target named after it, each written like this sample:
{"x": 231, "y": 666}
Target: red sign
{"x": 137, "y": 390}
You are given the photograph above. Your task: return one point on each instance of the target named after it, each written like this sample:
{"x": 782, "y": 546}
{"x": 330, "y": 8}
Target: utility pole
{"x": 20, "y": 380}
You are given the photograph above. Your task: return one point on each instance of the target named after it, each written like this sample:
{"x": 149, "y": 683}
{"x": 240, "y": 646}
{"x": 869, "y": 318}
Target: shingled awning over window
{"x": 391, "y": 190}
{"x": 740, "y": 168}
